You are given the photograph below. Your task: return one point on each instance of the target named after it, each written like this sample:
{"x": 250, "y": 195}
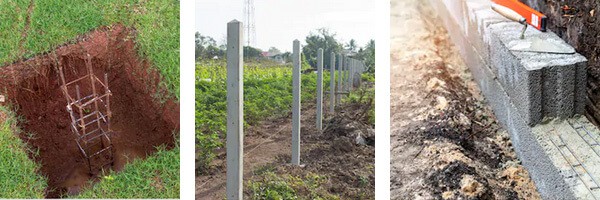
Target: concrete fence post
{"x": 296, "y": 104}
{"x": 235, "y": 110}
{"x": 347, "y": 67}
{"x": 351, "y": 77}
{"x": 346, "y": 62}
{"x": 332, "y": 95}
{"x": 340, "y": 85}
{"x": 319, "y": 89}
{"x": 343, "y": 74}
{"x": 352, "y": 73}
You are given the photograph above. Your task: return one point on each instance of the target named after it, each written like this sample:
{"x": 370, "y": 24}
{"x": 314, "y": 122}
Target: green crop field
{"x": 29, "y": 28}
{"x": 267, "y": 93}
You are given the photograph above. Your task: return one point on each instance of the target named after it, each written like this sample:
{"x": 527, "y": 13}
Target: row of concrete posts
{"x": 348, "y": 78}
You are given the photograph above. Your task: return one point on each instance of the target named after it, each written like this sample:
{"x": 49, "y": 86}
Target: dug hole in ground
{"x": 445, "y": 141}
{"x": 145, "y": 115}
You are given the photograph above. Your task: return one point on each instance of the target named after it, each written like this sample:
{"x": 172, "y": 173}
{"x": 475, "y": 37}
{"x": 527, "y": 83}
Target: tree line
{"x": 207, "y": 48}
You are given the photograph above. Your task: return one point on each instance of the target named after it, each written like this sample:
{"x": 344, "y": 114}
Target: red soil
{"x": 140, "y": 120}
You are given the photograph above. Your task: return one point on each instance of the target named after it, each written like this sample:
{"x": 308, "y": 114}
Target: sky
{"x": 279, "y": 22}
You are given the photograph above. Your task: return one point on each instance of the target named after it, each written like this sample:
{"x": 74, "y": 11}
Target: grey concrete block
{"x": 580, "y": 87}
{"x": 543, "y": 84}
{"x": 523, "y": 86}
{"x": 547, "y": 178}
{"x": 576, "y": 134}
{"x": 480, "y": 18}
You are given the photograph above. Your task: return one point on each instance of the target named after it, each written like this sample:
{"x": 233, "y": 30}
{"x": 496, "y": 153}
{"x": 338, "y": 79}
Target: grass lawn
{"x": 31, "y": 29}
{"x": 18, "y": 174}
{"x": 55, "y": 22}
{"x": 155, "y": 177}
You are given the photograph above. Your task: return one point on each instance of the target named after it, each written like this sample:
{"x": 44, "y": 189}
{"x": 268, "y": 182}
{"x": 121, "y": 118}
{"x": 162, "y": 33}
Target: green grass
{"x": 155, "y": 177}
{"x": 14, "y": 12}
{"x": 19, "y": 175}
{"x": 55, "y": 22}
{"x": 269, "y": 185}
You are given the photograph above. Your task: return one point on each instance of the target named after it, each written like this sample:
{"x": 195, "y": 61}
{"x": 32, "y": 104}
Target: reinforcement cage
{"x": 88, "y": 104}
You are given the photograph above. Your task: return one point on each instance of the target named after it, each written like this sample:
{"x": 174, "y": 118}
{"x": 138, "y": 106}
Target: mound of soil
{"x": 344, "y": 152}
{"x": 578, "y": 23}
{"x": 462, "y": 139}
{"x": 144, "y": 114}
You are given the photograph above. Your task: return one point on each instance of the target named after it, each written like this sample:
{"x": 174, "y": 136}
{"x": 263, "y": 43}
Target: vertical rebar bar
{"x": 108, "y": 112}
{"x": 94, "y": 93}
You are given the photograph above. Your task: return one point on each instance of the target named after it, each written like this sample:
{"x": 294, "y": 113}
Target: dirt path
{"x": 268, "y": 146}
{"x": 262, "y": 144}
{"x": 445, "y": 141}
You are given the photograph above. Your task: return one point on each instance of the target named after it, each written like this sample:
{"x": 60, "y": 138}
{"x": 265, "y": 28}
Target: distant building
{"x": 280, "y": 58}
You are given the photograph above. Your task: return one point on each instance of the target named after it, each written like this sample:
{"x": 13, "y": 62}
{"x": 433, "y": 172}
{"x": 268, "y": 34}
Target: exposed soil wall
{"x": 578, "y": 23}
{"x": 144, "y": 115}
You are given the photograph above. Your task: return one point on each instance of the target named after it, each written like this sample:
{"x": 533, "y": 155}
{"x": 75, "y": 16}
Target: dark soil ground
{"x": 578, "y": 23}
{"x": 144, "y": 115}
{"x": 348, "y": 166}
{"x": 446, "y": 143}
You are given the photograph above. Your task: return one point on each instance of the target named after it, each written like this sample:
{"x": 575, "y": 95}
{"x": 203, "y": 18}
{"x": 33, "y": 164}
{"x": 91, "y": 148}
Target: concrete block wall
{"x": 538, "y": 84}
{"x": 521, "y": 87}
{"x": 547, "y": 85}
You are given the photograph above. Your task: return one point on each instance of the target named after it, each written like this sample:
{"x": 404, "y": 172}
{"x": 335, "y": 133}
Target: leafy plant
{"x": 270, "y": 185}
{"x": 267, "y": 93}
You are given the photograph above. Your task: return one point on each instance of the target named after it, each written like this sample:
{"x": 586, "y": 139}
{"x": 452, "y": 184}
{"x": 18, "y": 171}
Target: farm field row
{"x": 267, "y": 93}
{"x": 267, "y": 114}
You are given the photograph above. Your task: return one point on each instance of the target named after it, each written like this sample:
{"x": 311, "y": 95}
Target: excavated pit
{"x": 144, "y": 114}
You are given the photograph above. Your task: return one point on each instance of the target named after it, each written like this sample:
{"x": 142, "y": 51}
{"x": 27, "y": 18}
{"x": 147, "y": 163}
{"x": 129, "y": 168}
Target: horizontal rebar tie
{"x": 576, "y": 164}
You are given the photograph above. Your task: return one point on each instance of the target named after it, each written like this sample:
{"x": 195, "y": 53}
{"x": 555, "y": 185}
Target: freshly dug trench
{"x": 144, "y": 114}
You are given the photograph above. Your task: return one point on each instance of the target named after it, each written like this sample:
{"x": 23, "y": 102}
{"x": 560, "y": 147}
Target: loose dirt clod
{"x": 140, "y": 121}
{"x": 471, "y": 187}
